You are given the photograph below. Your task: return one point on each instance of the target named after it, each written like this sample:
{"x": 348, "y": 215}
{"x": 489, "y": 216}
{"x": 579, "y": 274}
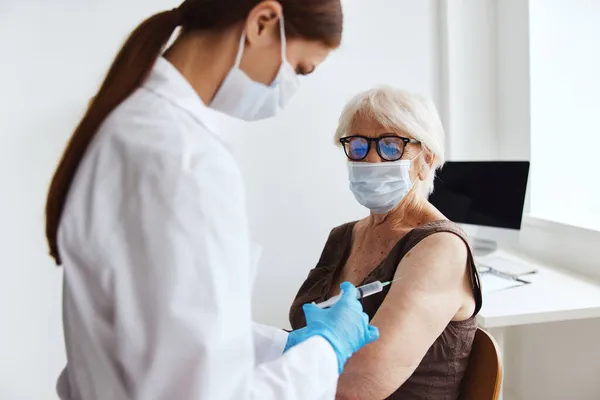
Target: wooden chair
{"x": 483, "y": 377}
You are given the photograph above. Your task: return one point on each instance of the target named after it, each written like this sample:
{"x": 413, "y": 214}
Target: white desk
{"x": 552, "y": 296}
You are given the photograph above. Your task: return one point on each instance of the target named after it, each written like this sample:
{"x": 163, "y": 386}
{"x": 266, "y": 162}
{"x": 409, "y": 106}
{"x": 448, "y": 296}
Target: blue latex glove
{"x": 344, "y": 325}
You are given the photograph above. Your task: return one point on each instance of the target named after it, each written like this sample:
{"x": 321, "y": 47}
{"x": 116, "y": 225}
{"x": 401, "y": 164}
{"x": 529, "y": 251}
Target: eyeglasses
{"x": 389, "y": 147}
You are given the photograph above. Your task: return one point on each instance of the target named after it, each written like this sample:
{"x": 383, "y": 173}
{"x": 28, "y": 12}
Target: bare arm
{"x": 433, "y": 285}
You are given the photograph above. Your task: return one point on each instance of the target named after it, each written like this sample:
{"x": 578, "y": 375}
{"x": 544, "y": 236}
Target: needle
{"x": 389, "y": 282}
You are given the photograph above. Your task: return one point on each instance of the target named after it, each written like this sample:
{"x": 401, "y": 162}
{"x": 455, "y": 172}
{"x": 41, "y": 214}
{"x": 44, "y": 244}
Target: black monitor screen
{"x": 482, "y": 193}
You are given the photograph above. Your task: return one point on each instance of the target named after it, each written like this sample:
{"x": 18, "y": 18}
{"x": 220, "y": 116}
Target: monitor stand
{"x": 485, "y": 240}
{"x": 482, "y": 247}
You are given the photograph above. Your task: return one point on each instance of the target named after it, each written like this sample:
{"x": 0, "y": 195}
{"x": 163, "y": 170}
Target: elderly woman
{"x": 394, "y": 142}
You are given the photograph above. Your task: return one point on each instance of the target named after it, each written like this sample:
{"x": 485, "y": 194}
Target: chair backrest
{"x": 483, "y": 377}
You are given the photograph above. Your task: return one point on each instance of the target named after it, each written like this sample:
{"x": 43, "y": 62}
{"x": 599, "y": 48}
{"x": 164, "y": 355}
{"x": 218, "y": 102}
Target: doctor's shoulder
{"x": 157, "y": 133}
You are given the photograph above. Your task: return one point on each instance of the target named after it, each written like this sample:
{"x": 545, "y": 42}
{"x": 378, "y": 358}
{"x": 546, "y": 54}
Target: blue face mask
{"x": 380, "y": 186}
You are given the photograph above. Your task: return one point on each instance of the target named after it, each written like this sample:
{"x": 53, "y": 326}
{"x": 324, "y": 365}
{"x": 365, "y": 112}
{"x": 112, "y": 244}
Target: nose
{"x": 372, "y": 155}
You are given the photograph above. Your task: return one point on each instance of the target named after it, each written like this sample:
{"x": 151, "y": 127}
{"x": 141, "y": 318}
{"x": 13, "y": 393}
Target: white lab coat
{"x": 157, "y": 261}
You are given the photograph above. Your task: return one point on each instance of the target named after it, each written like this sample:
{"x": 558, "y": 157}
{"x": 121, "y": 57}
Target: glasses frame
{"x": 346, "y": 139}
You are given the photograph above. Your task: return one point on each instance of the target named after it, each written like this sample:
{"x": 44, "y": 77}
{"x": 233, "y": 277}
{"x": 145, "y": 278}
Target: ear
{"x": 426, "y": 166}
{"x": 262, "y": 24}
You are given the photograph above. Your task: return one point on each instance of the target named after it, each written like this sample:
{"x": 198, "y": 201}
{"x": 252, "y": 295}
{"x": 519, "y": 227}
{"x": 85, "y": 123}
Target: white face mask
{"x": 241, "y": 97}
{"x": 380, "y": 186}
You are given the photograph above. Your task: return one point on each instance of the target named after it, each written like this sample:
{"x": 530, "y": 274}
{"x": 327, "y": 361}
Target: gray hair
{"x": 399, "y": 110}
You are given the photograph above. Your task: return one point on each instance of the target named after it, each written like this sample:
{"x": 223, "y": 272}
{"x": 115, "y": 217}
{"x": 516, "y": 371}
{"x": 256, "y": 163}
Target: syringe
{"x": 363, "y": 291}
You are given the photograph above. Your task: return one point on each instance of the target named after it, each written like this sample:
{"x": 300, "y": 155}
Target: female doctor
{"x": 146, "y": 212}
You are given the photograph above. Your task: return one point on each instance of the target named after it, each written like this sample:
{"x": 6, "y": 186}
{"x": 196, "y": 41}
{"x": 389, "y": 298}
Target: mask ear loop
{"x": 283, "y": 39}
{"x": 238, "y": 57}
{"x": 414, "y": 183}
{"x": 417, "y": 156}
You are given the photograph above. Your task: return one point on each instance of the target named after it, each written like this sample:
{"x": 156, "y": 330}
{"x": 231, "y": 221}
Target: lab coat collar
{"x": 167, "y": 82}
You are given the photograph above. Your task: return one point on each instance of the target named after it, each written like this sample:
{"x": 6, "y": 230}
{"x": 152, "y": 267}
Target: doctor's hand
{"x": 344, "y": 325}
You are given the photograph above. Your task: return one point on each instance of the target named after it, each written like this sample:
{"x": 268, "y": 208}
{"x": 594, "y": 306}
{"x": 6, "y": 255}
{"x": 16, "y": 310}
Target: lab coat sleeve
{"x": 183, "y": 315}
{"x": 330, "y": 392}
{"x": 269, "y": 342}
{"x": 308, "y": 363}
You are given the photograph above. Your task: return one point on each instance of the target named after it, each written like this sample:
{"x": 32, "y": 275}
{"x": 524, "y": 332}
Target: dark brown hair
{"x": 315, "y": 20}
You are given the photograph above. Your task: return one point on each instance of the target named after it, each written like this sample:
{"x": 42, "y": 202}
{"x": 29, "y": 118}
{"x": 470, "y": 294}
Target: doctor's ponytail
{"x": 318, "y": 20}
{"x": 129, "y": 69}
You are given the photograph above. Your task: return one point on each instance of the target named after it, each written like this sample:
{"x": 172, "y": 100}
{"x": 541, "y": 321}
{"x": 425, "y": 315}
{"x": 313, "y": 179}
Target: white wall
{"x": 486, "y": 79}
{"x": 469, "y": 79}
{"x": 512, "y": 80}
{"x": 54, "y": 55}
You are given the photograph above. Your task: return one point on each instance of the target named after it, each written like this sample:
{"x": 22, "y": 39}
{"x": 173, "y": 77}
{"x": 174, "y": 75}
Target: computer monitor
{"x": 485, "y": 197}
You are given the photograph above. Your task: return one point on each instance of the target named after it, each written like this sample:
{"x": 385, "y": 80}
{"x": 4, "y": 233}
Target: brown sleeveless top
{"x": 439, "y": 375}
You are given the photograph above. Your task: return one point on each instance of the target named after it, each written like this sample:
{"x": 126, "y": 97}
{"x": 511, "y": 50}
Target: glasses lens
{"x": 357, "y": 148}
{"x": 390, "y": 148}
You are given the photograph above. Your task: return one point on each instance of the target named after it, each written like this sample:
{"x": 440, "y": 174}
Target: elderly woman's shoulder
{"x": 443, "y": 226}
